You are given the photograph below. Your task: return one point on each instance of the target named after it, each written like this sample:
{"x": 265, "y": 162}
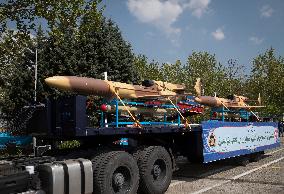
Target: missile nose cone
{"x": 59, "y": 82}
{"x": 197, "y": 99}
{"x": 50, "y": 80}
{"x": 82, "y": 85}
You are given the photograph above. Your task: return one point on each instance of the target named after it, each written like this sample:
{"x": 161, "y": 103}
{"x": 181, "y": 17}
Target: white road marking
{"x": 269, "y": 153}
{"x": 237, "y": 176}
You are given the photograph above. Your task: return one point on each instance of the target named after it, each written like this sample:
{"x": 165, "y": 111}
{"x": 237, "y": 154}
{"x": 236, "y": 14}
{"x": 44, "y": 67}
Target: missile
{"x": 110, "y": 89}
{"x": 233, "y": 101}
{"x": 211, "y": 101}
{"x": 139, "y": 110}
{"x": 153, "y": 111}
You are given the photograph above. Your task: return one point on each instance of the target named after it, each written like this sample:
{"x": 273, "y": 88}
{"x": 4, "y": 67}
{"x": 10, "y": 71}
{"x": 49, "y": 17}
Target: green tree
{"x": 111, "y": 53}
{"x": 78, "y": 40}
{"x": 91, "y": 55}
{"x": 14, "y": 77}
{"x": 174, "y": 73}
{"x": 147, "y": 70}
{"x": 98, "y": 51}
{"x": 205, "y": 66}
{"x": 59, "y": 15}
{"x": 268, "y": 80}
{"x": 235, "y": 78}
{"x": 18, "y": 46}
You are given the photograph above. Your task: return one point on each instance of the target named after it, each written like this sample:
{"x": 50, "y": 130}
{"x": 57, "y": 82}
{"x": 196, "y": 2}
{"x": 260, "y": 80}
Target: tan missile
{"x": 233, "y": 101}
{"x": 111, "y": 89}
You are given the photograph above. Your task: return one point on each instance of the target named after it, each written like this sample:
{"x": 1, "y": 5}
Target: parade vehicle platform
{"x": 157, "y": 143}
{"x": 209, "y": 141}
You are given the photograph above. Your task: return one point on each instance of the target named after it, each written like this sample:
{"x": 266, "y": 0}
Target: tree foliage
{"x": 267, "y": 78}
{"x": 173, "y": 72}
{"x": 59, "y": 15}
{"x": 98, "y": 51}
{"x": 216, "y": 77}
{"x": 205, "y": 66}
{"x": 146, "y": 70}
{"x": 15, "y": 71}
{"x": 78, "y": 40}
{"x": 100, "y": 48}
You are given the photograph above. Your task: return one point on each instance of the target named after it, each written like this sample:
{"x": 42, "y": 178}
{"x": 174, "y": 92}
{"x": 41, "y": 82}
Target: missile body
{"x": 109, "y": 89}
{"x": 156, "y": 112}
{"x": 215, "y": 101}
{"x": 139, "y": 110}
{"x": 209, "y": 101}
{"x": 83, "y": 86}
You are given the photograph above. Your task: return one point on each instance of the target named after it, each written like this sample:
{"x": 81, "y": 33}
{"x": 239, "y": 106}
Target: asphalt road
{"x": 265, "y": 176}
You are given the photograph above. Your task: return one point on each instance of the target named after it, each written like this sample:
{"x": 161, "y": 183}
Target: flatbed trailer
{"x": 125, "y": 159}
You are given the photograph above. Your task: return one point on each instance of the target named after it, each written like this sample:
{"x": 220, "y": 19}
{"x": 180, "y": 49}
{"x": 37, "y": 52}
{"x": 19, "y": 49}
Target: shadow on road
{"x": 198, "y": 171}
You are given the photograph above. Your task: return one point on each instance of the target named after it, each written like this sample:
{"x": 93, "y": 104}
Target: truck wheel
{"x": 96, "y": 161}
{"x": 116, "y": 172}
{"x": 137, "y": 153}
{"x": 155, "y": 167}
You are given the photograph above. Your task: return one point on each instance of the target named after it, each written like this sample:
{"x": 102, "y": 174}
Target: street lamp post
{"x": 35, "y": 77}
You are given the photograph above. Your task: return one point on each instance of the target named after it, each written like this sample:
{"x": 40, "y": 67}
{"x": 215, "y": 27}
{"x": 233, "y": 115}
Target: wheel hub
{"x": 157, "y": 170}
{"x": 118, "y": 180}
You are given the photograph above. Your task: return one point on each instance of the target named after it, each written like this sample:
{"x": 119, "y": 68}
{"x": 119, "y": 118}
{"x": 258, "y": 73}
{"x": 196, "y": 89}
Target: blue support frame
{"x": 243, "y": 113}
{"x": 118, "y": 123}
{"x": 223, "y": 116}
{"x": 165, "y": 119}
{"x": 116, "y": 113}
{"x": 102, "y": 123}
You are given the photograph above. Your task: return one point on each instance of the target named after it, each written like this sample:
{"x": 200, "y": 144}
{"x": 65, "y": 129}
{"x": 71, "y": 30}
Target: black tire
{"x": 96, "y": 161}
{"x": 155, "y": 167}
{"x": 137, "y": 153}
{"x": 115, "y": 172}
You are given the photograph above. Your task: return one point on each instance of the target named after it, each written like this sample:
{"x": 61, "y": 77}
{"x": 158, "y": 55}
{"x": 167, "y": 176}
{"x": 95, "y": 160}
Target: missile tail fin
{"x": 198, "y": 87}
{"x": 259, "y": 99}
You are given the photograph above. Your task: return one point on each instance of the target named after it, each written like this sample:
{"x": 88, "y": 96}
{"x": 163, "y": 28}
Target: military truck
{"x": 119, "y": 157}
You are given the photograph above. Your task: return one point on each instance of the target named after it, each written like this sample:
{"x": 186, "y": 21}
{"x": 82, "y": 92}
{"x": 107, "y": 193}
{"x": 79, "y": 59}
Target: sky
{"x": 170, "y": 30}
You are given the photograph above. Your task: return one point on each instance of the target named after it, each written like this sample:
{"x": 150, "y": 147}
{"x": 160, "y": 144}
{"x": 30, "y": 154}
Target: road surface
{"x": 265, "y": 176}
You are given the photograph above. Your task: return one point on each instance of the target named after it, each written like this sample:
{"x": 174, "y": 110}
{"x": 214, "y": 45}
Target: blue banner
{"x": 229, "y": 139}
